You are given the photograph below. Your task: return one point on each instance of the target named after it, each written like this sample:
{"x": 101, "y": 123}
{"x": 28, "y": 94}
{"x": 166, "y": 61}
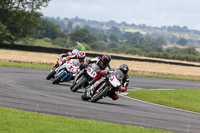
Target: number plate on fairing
{"x": 91, "y": 72}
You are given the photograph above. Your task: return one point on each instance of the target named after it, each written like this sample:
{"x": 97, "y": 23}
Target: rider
{"x": 80, "y": 56}
{"x": 74, "y": 51}
{"x": 103, "y": 63}
{"x": 125, "y": 82}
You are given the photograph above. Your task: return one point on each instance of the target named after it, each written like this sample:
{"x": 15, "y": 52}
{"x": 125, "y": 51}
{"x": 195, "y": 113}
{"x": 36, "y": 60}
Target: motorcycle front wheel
{"x": 79, "y": 84}
{"x": 57, "y": 80}
{"x": 51, "y": 74}
{"x": 100, "y": 93}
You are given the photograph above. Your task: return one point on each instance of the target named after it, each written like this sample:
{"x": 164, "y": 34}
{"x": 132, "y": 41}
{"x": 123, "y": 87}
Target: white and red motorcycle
{"x": 67, "y": 71}
{"x": 103, "y": 86}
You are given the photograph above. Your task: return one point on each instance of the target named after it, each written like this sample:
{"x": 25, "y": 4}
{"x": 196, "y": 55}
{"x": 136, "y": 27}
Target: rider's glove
{"x": 123, "y": 89}
{"x": 104, "y": 72}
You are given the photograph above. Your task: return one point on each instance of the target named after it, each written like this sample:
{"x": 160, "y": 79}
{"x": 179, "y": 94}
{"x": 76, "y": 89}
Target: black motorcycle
{"x": 83, "y": 77}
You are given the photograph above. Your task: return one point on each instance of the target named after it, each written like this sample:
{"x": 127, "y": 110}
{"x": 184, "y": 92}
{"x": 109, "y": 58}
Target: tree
{"x": 82, "y": 35}
{"x": 114, "y": 31}
{"x": 49, "y": 30}
{"x": 113, "y": 38}
{"x": 19, "y": 18}
{"x": 69, "y": 26}
{"x": 160, "y": 42}
{"x": 135, "y": 39}
{"x": 182, "y": 41}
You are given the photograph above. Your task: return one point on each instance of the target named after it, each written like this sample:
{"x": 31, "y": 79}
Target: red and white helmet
{"x": 81, "y": 55}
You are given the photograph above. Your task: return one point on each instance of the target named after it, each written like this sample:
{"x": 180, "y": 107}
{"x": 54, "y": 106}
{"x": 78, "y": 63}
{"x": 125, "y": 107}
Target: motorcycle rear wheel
{"x": 84, "y": 97}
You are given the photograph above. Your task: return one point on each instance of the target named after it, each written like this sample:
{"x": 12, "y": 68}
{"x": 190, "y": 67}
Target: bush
{"x": 60, "y": 41}
{"x": 133, "y": 51}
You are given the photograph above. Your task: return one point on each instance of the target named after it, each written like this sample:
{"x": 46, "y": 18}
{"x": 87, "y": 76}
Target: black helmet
{"x": 106, "y": 59}
{"x": 81, "y": 55}
{"x": 124, "y": 68}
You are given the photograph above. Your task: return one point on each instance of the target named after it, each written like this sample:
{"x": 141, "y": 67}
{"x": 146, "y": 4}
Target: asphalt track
{"x": 27, "y": 89}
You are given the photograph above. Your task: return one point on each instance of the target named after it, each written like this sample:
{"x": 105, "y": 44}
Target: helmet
{"x": 74, "y": 51}
{"x": 106, "y": 59}
{"x": 124, "y": 68}
{"x": 81, "y": 55}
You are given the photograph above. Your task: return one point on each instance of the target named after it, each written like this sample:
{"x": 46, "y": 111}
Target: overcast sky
{"x": 150, "y": 12}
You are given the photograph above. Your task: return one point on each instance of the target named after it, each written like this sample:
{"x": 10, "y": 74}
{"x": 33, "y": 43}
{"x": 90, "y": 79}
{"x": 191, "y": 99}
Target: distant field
{"x": 135, "y": 66}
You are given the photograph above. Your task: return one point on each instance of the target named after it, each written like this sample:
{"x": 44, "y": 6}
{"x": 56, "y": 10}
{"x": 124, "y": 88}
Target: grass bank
{"x": 25, "y": 65}
{"x": 187, "y": 99}
{"x": 165, "y": 76}
{"x": 16, "y": 64}
{"x": 16, "y": 121}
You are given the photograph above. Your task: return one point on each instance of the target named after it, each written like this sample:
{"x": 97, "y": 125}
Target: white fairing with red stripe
{"x": 114, "y": 81}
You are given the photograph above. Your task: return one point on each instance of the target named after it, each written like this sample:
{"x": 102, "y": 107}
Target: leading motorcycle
{"x": 103, "y": 86}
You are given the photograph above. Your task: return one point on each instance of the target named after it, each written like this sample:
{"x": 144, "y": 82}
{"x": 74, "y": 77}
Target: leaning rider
{"x": 81, "y": 56}
{"x": 102, "y": 62}
{"x": 125, "y": 82}
{"x": 74, "y": 51}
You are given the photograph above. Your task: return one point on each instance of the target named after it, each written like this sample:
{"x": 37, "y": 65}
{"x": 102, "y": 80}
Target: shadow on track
{"x": 114, "y": 104}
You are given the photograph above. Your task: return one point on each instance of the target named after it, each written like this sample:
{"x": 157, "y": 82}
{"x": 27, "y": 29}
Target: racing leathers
{"x": 103, "y": 68}
{"x": 80, "y": 56}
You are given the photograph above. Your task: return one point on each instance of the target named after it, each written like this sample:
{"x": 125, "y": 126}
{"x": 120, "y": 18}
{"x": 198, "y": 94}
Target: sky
{"x": 150, "y": 12}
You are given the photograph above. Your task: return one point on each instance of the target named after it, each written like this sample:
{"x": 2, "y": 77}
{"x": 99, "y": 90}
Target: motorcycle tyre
{"x": 78, "y": 85}
{"x": 57, "y": 80}
{"x": 103, "y": 93}
{"x": 84, "y": 97}
{"x": 51, "y": 74}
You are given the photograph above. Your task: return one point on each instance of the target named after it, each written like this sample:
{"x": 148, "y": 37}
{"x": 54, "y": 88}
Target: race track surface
{"x": 28, "y": 89}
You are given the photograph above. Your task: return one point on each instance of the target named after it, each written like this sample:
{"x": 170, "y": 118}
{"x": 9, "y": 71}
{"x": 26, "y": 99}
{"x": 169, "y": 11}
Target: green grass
{"x": 187, "y": 99}
{"x": 16, "y": 121}
{"x": 16, "y": 64}
{"x": 45, "y": 42}
{"x": 165, "y": 76}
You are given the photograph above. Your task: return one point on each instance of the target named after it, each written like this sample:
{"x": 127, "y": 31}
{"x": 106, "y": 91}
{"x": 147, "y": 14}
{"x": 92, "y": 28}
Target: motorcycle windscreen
{"x": 115, "y": 78}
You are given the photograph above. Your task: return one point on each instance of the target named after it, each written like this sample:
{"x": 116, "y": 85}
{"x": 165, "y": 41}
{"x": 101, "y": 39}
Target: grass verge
{"x": 165, "y": 76}
{"x": 16, "y": 121}
{"x": 16, "y": 64}
{"x": 187, "y": 99}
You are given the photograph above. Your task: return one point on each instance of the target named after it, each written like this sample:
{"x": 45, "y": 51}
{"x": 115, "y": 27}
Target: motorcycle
{"x": 82, "y": 79}
{"x": 67, "y": 71}
{"x": 101, "y": 88}
{"x": 53, "y": 69}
